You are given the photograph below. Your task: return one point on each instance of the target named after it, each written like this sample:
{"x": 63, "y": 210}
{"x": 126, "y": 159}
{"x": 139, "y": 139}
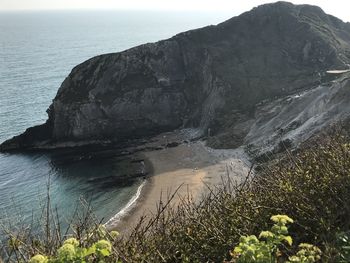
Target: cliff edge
{"x": 201, "y": 78}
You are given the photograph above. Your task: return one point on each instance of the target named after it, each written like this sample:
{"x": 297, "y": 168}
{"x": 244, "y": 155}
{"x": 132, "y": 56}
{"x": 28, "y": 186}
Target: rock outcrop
{"x": 200, "y": 78}
{"x": 291, "y": 120}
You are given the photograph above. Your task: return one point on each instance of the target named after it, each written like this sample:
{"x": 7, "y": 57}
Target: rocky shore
{"x": 187, "y": 168}
{"x": 209, "y": 78}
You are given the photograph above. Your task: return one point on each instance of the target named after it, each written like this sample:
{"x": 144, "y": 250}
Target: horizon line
{"x": 117, "y": 9}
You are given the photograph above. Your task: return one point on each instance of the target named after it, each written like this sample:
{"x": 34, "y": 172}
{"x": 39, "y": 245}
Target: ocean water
{"x": 37, "y": 51}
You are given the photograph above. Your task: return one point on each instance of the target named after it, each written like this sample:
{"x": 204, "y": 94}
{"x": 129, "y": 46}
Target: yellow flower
{"x": 252, "y": 239}
{"x": 306, "y": 246}
{"x": 266, "y": 234}
{"x": 38, "y": 259}
{"x": 283, "y": 219}
{"x": 72, "y": 241}
{"x": 67, "y": 252}
{"x": 289, "y": 240}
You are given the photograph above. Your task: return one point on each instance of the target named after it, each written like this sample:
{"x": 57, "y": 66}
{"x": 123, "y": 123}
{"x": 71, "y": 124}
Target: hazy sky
{"x": 339, "y": 8}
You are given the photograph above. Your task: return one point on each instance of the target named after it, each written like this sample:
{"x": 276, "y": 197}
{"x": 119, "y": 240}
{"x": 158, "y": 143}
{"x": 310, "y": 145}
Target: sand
{"x": 187, "y": 168}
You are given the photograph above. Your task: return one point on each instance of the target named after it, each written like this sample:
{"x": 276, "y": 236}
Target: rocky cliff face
{"x": 200, "y": 78}
{"x": 291, "y": 120}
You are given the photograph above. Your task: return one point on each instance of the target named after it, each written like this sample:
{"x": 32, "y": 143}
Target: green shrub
{"x": 311, "y": 186}
{"x": 71, "y": 251}
{"x": 267, "y": 249}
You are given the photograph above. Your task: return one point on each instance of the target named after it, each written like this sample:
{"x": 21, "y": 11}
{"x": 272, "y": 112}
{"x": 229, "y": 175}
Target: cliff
{"x": 213, "y": 77}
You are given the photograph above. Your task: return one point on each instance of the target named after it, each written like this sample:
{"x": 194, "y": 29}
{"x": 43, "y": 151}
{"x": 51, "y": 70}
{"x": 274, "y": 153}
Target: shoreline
{"x": 188, "y": 168}
{"x": 120, "y": 220}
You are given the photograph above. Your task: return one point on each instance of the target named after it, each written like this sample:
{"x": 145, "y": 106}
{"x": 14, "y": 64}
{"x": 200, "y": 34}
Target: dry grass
{"x": 311, "y": 186}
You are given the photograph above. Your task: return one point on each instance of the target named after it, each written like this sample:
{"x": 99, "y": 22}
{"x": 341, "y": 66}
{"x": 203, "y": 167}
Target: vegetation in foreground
{"x": 311, "y": 186}
{"x": 250, "y": 248}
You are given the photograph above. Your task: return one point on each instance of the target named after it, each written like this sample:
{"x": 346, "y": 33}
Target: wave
{"x": 7, "y": 182}
{"x": 116, "y": 218}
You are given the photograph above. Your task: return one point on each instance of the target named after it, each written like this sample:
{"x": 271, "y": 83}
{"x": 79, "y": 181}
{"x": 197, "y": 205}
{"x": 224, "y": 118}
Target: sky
{"x": 339, "y": 8}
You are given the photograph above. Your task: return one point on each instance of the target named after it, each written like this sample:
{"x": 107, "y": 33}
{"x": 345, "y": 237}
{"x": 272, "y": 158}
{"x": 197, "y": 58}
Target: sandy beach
{"x": 187, "y": 168}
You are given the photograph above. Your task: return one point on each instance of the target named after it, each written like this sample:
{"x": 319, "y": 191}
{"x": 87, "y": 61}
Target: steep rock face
{"x": 137, "y": 92}
{"x": 194, "y": 78}
{"x": 294, "y": 119}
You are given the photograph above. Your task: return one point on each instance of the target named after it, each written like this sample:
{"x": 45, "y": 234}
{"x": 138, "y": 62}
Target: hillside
{"x": 214, "y": 77}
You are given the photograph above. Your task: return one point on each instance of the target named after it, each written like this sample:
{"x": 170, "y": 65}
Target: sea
{"x": 38, "y": 49}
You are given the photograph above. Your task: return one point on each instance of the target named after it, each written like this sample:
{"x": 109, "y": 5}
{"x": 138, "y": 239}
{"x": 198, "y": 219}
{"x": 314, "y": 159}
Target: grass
{"x": 311, "y": 186}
